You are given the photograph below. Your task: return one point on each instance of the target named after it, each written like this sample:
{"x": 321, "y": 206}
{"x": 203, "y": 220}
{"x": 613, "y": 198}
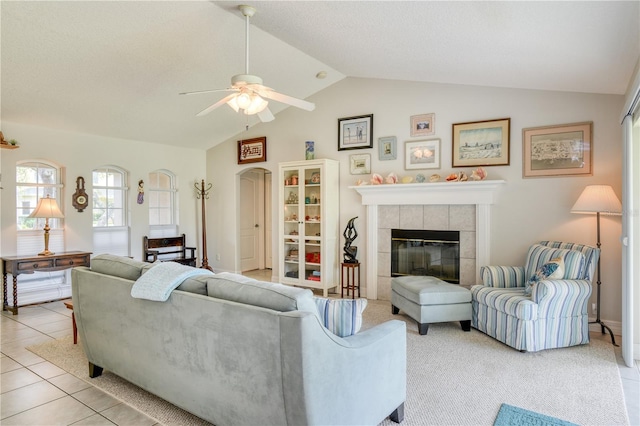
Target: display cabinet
{"x": 308, "y": 224}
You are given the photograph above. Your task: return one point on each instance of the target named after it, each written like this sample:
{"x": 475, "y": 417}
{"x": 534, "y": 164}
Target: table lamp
{"x": 47, "y": 208}
{"x": 598, "y": 199}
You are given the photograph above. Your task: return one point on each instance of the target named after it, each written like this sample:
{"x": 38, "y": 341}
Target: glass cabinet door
{"x": 312, "y": 224}
{"x": 291, "y": 224}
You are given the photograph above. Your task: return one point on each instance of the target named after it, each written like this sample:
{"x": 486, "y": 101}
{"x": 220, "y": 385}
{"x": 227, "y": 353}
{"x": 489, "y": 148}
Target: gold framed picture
{"x": 481, "y": 143}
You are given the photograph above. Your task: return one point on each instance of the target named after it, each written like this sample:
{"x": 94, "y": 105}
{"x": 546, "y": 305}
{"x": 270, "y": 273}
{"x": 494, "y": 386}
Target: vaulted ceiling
{"x": 115, "y": 68}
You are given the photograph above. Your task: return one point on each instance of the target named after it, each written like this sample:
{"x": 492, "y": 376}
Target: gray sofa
{"x": 238, "y": 351}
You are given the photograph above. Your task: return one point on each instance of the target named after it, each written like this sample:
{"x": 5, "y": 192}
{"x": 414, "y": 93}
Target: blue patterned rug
{"x": 515, "y": 416}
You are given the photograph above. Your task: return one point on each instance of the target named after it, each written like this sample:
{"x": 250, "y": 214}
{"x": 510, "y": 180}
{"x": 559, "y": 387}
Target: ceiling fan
{"x": 248, "y": 92}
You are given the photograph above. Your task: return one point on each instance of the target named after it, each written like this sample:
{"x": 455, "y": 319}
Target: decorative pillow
{"x": 343, "y": 317}
{"x": 552, "y": 270}
{"x": 538, "y": 255}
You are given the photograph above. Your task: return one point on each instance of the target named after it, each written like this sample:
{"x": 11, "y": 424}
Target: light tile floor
{"x": 36, "y": 392}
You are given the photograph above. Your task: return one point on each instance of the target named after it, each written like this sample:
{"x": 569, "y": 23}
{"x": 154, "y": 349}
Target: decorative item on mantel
{"x": 391, "y": 178}
{"x": 350, "y": 234}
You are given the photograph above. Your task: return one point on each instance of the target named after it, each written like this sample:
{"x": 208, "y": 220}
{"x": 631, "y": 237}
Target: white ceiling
{"x": 115, "y": 68}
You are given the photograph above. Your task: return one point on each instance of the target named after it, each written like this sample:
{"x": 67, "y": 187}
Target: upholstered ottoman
{"x": 429, "y": 299}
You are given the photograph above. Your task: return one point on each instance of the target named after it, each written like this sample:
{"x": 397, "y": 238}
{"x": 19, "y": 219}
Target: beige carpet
{"x": 453, "y": 378}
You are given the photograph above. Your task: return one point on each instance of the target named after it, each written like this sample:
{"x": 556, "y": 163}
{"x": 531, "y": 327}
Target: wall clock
{"x": 80, "y": 200}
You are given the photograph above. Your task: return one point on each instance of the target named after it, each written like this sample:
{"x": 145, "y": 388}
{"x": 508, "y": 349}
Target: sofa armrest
{"x": 561, "y": 298}
{"x": 503, "y": 276}
{"x": 319, "y": 369}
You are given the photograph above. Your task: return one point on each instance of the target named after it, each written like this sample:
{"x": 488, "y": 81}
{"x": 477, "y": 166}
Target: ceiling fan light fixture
{"x": 243, "y": 100}
{"x": 257, "y": 105}
{"x": 233, "y": 103}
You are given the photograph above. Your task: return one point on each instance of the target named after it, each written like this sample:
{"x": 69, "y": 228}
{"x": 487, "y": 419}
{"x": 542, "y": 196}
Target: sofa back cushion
{"x": 539, "y": 255}
{"x": 278, "y": 297}
{"x": 118, "y": 266}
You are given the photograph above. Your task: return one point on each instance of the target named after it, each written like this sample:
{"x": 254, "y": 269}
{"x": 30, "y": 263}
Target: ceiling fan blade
{"x": 285, "y": 99}
{"x": 198, "y": 92}
{"x": 266, "y": 115}
{"x": 216, "y": 105}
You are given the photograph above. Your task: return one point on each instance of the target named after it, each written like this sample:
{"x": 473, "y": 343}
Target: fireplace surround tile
{"x": 436, "y": 217}
{"x": 467, "y": 245}
{"x": 411, "y": 217}
{"x": 384, "y": 240}
{"x": 388, "y": 216}
{"x": 462, "y": 217}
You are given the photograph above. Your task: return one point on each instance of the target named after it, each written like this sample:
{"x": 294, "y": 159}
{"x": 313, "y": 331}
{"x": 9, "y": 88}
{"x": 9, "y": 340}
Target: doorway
{"x": 255, "y": 233}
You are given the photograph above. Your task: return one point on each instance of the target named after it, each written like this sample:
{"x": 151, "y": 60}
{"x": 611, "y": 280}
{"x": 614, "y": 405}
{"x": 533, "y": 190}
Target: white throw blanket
{"x": 162, "y": 278}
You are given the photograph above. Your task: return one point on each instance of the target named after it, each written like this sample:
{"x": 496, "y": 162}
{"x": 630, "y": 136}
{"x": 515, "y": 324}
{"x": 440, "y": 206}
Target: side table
{"x": 16, "y": 265}
{"x": 69, "y": 305}
{"x": 350, "y": 279}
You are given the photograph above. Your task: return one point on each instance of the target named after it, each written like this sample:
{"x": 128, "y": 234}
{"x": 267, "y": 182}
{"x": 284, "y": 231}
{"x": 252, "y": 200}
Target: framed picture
{"x": 561, "y": 150}
{"x": 252, "y": 150}
{"x": 422, "y": 154}
{"x": 423, "y": 125}
{"x": 387, "y": 148}
{"x": 360, "y": 164}
{"x": 481, "y": 143}
{"x": 355, "y": 132}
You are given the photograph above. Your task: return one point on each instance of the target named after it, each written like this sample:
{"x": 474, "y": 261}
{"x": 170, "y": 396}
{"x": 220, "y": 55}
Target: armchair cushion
{"x": 553, "y": 269}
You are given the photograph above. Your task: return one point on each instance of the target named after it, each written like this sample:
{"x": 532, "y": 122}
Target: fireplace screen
{"x": 425, "y": 252}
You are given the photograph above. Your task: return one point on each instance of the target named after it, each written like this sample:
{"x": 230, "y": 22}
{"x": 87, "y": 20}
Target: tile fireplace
{"x": 463, "y": 207}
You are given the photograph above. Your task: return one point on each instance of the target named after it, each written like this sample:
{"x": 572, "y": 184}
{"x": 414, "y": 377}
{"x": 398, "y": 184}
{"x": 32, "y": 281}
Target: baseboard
{"x": 636, "y": 352}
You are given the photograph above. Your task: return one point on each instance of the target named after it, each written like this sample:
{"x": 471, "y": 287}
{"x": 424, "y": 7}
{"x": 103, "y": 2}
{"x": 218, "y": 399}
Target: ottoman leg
{"x": 394, "y": 310}
{"x": 466, "y": 325}
{"x": 423, "y": 328}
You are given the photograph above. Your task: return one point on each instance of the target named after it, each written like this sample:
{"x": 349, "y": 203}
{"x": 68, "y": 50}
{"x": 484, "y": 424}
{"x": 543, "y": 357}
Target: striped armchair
{"x": 553, "y": 316}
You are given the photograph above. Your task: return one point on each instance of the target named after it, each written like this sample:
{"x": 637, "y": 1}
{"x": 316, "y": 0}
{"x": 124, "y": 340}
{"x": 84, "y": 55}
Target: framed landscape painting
{"x": 481, "y": 143}
{"x": 560, "y": 150}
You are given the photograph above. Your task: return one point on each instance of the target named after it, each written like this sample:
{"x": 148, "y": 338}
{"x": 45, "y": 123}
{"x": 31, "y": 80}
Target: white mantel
{"x": 480, "y": 193}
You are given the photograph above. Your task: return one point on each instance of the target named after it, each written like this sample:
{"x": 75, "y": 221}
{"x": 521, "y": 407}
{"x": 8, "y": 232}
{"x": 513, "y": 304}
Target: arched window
{"x": 36, "y": 179}
{"x": 161, "y": 193}
{"x": 109, "y": 211}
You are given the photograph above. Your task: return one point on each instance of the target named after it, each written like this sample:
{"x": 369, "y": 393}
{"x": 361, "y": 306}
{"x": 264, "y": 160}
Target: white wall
{"x": 528, "y": 210}
{"x": 79, "y": 154}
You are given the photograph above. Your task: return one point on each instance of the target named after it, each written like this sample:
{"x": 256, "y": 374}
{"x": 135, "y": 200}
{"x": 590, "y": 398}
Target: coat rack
{"x": 202, "y": 193}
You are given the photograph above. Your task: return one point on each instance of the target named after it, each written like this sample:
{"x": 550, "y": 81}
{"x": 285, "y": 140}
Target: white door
{"x": 268, "y": 218}
{"x": 251, "y": 219}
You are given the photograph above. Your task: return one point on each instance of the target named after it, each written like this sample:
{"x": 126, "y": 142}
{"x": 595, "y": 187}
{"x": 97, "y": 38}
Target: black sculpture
{"x": 350, "y": 234}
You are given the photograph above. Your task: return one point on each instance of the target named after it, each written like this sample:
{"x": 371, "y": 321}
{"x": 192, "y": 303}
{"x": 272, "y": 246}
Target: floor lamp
{"x": 598, "y": 199}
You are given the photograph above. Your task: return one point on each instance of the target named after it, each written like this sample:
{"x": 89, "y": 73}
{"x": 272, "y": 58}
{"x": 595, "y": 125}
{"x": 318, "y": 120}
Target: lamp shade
{"x": 598, "y": 199}
{"x": 47, "y": 208}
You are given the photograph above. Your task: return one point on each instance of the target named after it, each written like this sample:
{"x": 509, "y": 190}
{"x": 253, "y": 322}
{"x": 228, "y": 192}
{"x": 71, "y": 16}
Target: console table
{"x": 16, "y": 265}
